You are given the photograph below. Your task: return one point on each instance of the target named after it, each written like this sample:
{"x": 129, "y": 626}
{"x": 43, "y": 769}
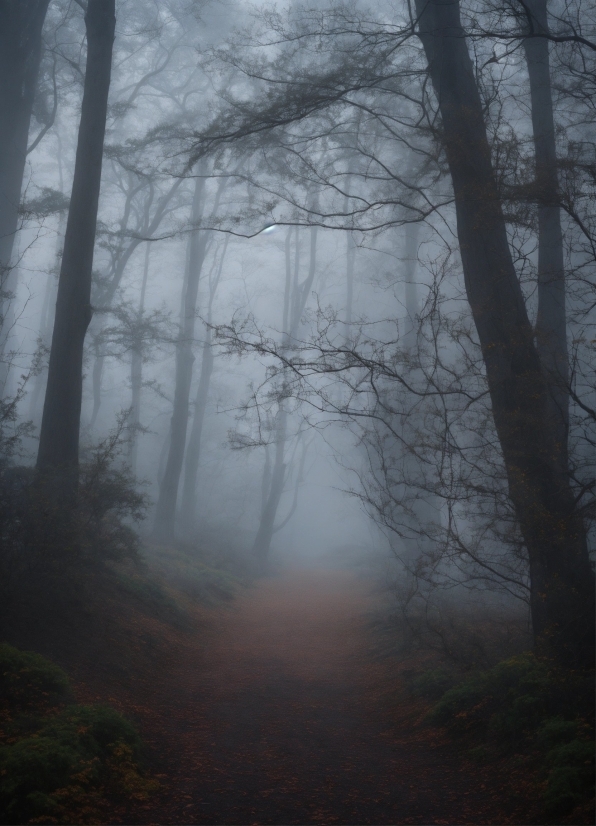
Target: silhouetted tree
{"x": 59, "y": 435}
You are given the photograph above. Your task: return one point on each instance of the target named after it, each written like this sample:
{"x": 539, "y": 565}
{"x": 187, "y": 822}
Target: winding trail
{"x": 279, "y": 714}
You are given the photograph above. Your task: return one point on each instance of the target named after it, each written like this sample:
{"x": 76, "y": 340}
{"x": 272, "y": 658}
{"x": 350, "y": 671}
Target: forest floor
{"x": 276, "y": 710}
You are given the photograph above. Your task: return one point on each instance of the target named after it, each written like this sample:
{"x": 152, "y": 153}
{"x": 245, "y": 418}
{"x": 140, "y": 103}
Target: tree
{"x": 276, "y": 473}
{"x": 562, "y": 583}
{"x": 551, "y": 321}
{"x": 59, "y": 435}
{"x": 193, "y": 450}
{"x": 523, "y": 389}
{"x": 165, "y": 512}
{"x": 20, "y": 54}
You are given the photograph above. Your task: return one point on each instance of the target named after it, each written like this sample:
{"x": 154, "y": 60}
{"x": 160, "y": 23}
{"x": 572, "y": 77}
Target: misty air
{"x": 297, "y": 412}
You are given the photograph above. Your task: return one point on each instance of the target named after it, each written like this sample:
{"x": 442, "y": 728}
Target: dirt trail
{"x": 278, "y": 714}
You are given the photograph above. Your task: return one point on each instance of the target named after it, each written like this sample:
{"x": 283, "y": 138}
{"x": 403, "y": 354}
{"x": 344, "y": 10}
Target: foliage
{"x": 432, "y": 684}
{"x": 48, "y": 550}
{"x": 29, "y": 681}
{"x": 58, "y": 764}
{"x": 204, "y": 580}
{"x": 528, "y": 704}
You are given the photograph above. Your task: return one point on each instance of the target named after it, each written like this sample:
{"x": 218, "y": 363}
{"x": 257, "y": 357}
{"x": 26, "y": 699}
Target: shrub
{"x": 570, "y": 780}
{"x": 508, "y": 701}
{"x": 29, "y": 681}
{"x": 531, "y": 703}
{"x": 432, "y": 684}
{"x": 58, "y": 764}
{"x": 49, "y": 552}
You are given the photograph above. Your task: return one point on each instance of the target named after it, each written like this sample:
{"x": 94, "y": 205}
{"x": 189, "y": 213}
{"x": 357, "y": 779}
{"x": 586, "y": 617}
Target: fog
{"x": 297, "y": 309}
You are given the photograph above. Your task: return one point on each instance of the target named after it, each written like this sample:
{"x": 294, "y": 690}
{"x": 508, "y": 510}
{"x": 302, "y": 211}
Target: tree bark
{"x": 20, "y": 53}
{"x": 165, "y": 512}
{"x": 562, "y": 583}
{"x": 551, "y": 322}
{"x": 59, "y": 436}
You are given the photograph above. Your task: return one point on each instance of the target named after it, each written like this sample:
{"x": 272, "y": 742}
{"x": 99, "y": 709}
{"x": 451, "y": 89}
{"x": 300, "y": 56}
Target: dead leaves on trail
{"x": 274, "y": 710}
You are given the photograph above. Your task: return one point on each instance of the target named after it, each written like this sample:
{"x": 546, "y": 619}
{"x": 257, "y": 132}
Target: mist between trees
{"x": 298, "y": 250}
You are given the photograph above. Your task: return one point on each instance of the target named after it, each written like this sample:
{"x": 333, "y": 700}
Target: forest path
{"x": 279, "y": 714}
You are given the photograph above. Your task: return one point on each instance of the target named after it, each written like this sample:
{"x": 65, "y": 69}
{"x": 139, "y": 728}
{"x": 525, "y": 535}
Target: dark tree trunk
{"x": 59, "y": 437}
{"x": 20, "y": 52}
{"x": 562, "y": 583}
{"x": 165, "y": 512}
{"x": 551, "y": 322}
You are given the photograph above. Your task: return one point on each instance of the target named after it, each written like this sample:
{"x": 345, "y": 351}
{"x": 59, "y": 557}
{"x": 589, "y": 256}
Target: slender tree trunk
{"x": 106, "y": 296}
{"x": 165, "y": 513}
{"x": 262, "y": 542}
{"x": 136, "y": 373}
{"x": 293, "y": 310}
{"x": 562, "y": 583}
{"x": 20, "y": 52}
{"x": 59, "y": 437}
{"x": 411, "y": 263}
{"x": 193, "y": 451}
{"x": 551, "y": 321}
{"x": 46, "y": 326}
{"x": 350, "y": 266}
{"x": 96, "y": 382}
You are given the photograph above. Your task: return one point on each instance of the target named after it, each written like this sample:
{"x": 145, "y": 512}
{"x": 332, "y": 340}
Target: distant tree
{"x": 193, "y": 449}
{"x": 20, "y": 54}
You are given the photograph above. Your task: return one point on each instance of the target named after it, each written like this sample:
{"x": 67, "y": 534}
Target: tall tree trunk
{"x": 551, "y": 322}
{"x": 136, "y": 373}
{"x": 20, "y": 52}
{"x": 46, "y": 326}
{"x": 106, "y": 296}
{"x": 562, "y": 583}
{"x": 193, "y": 451}
{"x": 262, "y": 542}
{"x": 96, "y": 381}
{"x": 350, "y": 266}
{"x": 165, "y": 512}
{"x": 59, "y": 437}
{"x": 294, "y": 305}
{"x": 411, "y": 263}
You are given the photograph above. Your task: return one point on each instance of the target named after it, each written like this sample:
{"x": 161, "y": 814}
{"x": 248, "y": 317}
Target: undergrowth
{"x": 207, "y": 581}
{"x": 60, "y": 762}
{"x": 524, "y": 706}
